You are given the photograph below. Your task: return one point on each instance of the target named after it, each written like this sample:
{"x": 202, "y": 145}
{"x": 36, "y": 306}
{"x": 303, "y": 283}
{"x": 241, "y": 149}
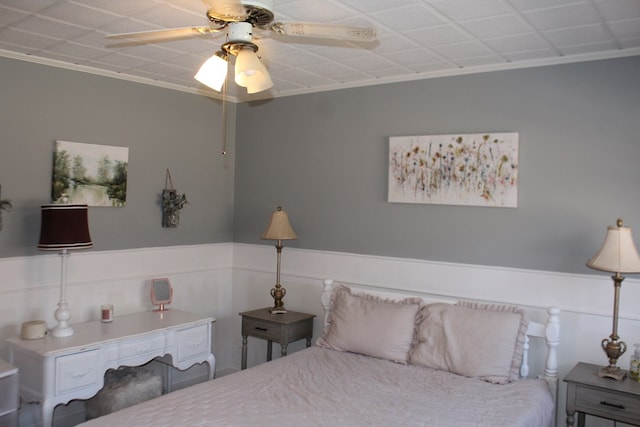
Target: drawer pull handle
{"x": 141, "y": 350}
{"x": 79, "y": 374}
{"x": 195, "y": 344}
{"x": 615, "y": 405}
{"x": 261, "y": 329}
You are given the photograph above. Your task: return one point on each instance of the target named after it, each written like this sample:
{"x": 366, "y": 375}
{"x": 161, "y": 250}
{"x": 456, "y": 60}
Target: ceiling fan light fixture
{"x": 260, "y": 84}
{"x": 250, "y": 72}
{"x": 213, "y": 72}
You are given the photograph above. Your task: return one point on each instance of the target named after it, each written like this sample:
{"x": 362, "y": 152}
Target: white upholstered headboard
{"x": 547, "y": 333}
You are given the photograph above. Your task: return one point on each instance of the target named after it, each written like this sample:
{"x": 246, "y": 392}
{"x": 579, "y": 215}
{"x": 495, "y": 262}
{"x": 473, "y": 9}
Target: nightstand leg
{"x": 309, "y": 342}
{"x": 269, "y": 350}
{"x": 283, "y": 352}
{"x": 243, "y": 365}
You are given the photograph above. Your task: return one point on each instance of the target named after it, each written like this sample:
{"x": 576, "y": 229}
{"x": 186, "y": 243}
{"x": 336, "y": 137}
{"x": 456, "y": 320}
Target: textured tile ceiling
{"x": 416, "y": 38}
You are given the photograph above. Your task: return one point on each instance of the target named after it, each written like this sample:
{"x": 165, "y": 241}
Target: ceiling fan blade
{"x": 312, "y": 29}
{"x": 154, "y": 36}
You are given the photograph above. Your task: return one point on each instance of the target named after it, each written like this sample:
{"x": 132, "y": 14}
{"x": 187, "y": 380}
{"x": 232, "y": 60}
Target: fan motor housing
{"x": 257, "y": 12}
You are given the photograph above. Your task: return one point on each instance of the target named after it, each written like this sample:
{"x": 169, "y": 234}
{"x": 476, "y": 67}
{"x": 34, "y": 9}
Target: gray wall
{"x": 163, "y": 129}
{"x": 323, "y": 157}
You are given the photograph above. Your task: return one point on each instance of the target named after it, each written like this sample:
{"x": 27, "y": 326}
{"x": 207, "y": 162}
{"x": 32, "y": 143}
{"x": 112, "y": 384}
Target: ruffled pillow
{"x": 475, "y": 340}
{"x": 366, "y": 324}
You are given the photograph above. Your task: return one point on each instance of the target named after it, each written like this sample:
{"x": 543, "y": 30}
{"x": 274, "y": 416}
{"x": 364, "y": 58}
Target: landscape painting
{"x": 459, "y": 169}
{"x": 90, "y": 174}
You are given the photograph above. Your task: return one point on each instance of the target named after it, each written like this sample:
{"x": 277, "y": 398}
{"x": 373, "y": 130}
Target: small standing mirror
{"x": 161, "y": 293}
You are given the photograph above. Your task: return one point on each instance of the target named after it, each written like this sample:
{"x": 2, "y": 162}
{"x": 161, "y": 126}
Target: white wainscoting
{"x": 586, "y": 300}
{"x": 201, "y": 276}
{"x": 224, "y": 279}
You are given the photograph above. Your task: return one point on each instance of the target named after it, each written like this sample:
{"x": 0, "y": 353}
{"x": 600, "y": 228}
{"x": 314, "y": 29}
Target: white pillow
{"x": 475, "y": 340}
{"x": 370, "y": 325}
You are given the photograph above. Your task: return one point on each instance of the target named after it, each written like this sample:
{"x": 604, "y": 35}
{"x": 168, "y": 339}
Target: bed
{"x": 383, "y": 359}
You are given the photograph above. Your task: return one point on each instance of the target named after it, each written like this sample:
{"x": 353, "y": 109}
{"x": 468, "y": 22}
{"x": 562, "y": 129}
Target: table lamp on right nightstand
{"x": 617, "y": 255}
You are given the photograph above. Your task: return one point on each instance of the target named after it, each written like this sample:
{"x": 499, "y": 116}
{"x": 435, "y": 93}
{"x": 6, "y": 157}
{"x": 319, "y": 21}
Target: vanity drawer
{"x": 141, "y": 350}
{"x": 606, "y": 403}
{"x": 78, "y": 370}
{"x": 193, "y": 342}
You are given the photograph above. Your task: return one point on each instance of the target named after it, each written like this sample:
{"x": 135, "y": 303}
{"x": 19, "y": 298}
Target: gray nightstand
{"x": 281, "y": 328}
{"x": 602, "y": 397}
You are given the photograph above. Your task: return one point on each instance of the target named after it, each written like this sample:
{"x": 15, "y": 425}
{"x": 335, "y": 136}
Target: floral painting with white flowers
{"x": 459, "y": 169}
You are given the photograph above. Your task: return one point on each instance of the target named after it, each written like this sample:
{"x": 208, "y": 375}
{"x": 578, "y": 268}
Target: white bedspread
{"x": 320, "y": 387}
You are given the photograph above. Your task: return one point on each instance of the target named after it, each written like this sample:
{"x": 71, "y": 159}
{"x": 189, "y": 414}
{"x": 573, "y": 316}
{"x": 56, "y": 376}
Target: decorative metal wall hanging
{"x": 5, "y": 205}
{"x": 172, "y": 202}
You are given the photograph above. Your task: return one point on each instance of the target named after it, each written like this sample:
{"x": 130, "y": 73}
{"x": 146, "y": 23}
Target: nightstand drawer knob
{"x": 261, "y": 329}
{"x": 613, "y": 405}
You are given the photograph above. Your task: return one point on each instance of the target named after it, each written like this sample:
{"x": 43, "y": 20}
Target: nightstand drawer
{"x": 607, "y": 403}
{"x": 260, "y": 329}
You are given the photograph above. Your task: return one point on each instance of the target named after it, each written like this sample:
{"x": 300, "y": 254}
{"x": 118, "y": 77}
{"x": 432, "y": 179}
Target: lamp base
{"x": 612, "y": 372}
{"x": 62, "y": 315}
{"x": 277, "y": 310}
{"x": 62, "y": 331}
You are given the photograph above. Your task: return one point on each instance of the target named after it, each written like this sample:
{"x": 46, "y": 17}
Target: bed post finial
{"x": 552, "y": 336}
{"x": 524, "y": 367}
{"x": 326, "y": 297}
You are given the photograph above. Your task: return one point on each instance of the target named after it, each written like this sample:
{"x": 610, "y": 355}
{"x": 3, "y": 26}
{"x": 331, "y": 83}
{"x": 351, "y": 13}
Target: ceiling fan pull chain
{"x": 224, "y": 112}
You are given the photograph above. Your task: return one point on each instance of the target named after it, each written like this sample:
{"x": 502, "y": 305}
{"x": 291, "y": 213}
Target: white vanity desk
{"x": 57, "y": 370}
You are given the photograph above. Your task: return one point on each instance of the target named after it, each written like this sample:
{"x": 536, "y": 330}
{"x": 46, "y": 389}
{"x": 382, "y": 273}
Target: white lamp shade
{"x": 618, "y": 253}
{"x": 250, "y": 72}
{"x": 213, "y": 72}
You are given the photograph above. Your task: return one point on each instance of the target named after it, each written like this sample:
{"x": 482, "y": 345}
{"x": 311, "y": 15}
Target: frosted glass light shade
{"x": 251, "y": 73}
{"x": 618, "y": 253}
{"x": 258, "y": 85}
{"x": 213, "y": 72}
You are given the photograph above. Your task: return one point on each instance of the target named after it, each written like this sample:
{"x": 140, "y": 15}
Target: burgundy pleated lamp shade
{"x": 64, "y": 227}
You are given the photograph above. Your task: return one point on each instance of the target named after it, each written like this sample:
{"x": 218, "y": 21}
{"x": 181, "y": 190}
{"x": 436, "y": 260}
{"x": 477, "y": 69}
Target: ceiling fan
{"x": 239, "y": 18}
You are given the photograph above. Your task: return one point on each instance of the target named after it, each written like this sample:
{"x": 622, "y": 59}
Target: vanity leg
{"x": 47, "y": 414}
